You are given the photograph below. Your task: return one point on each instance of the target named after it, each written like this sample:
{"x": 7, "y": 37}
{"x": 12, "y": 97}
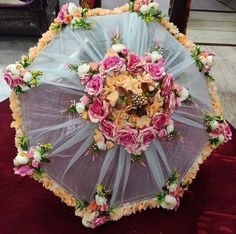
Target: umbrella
{"x": 111, "y": 112}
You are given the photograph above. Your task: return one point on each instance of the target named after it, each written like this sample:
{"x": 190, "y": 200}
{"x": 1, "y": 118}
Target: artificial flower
{"x": 98, "y": 110}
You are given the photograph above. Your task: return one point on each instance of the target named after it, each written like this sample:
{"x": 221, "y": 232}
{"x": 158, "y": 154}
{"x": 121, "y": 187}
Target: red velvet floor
{"x": 209, "y": 207}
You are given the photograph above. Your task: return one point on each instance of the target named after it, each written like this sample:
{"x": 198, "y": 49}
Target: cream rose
{"x": 21, "y": 159}
{"x": 184, "y": 93}
{"x": 80, "y": 107}
{"x": 100, "y": 200}
{"x": 144, "y": 9}
{"x": 27, "y": 77}
{"x": 90, "y": 216}
{"x": 153, "y": 5}
{"x": 169, "y": 202}
{"x": 83, "y": 69}
{"x": 118, "y": 47}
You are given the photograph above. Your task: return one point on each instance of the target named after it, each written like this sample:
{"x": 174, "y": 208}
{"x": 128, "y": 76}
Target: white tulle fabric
{"x": 71, "y": 165}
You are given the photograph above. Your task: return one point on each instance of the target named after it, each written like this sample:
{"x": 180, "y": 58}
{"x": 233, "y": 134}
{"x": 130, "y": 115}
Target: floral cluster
{"x": 172, "y": 192}
{"x": 218, "y": 129}
{"x": 204, "y": 61}
{"x": 19, "y": 78}
{"x": 72, "y": 15}
{"x": 98, "y": 211}
{"x": 28, "y": 160}
{"x": 131, "y": 97}
{"x": 147, "y": 9}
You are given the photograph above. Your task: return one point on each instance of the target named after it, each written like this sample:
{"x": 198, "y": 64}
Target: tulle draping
{"x": 72, "y": 165}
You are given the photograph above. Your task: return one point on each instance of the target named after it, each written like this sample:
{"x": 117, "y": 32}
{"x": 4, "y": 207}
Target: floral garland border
{"x": 64, "y": 195}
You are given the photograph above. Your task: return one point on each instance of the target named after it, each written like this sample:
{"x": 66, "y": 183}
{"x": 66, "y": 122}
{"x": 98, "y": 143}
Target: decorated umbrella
{"x": 114, "y": 111}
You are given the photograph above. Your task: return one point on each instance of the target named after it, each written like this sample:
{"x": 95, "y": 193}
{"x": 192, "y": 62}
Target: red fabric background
{"x": 209, "y": 207}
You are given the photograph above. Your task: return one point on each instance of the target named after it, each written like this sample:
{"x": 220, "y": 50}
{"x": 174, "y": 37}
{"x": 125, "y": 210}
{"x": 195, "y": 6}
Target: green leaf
{"x": 18, "y": 90}
{"x": 45, "y": 160}
{"x": 81, "y": 204}
{"x": 209, "y": 77}
{"x": 39, "y": 172}
{"x": 24, "y": 142}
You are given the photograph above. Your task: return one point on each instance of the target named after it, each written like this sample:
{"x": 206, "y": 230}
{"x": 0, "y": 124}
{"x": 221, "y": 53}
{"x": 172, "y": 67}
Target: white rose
{"x": 210, "y": 60}
{"x": 72, "y": 9}
{"x": 14, "y": 69}
{"x": 154, "y": 5}
{"x": 155, "y": 56}
{"x": 87, "y": 224}
{"x": 213, "y": 124}
{"x": 37, "y": 156}
{"x": 27, "y": 77}
{"x": 169, "y": 203}
{"x": 172, "y": 187}
{"x": 118, "y": 47}
{"x": 221, "y": 138}
{"x": 170, "y": 128}
{"x": 184, "y": 93}
{"x": 80, "y": 107}
{"x": 21, "y": 159}
{"x": 83, "y": 69}
{"x": 144, "y": 9}
{"x": 100, "y": 200}
{"x": 101, "y": 145}
{"x": 90, "y": 216}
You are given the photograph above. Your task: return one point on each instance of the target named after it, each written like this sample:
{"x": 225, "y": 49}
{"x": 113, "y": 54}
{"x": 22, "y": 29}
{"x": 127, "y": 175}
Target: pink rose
{"x": 227, "y": 132}
{"x": 84, "y": 79}
{"x": 98, "y": 110}
{"x": 85, "y": 100}
{"x": 12, "y": 81}
{"x": 108, "y": 129}
{"x": 162, "y": 133}
{"x": 171, "y": 102}
{"x": 94, "y": 85}
{"x": 134, "y": 63}
{"x": 104, "y": 207}
{"x": 159, "y": 120}
{"x": 30, "y": 153}
{"x": 147, "y": 135}
{"x": 35, "y": 164}
{"x": 156, "y": 70}
{"x": 127, "y": 137}
{"x": 139, "y": 3}
{"x": 99, "y": 220}
{"x": 167, "y": 85}
{"x": 124, "y": 52}
{"x": 23, "y": 170}
{"x": 63, "y": 14}
{"x": 111, "y": 64}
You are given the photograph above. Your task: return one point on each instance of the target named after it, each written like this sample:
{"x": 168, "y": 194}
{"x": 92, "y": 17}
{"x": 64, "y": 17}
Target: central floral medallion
{"x": 130, "y": 97}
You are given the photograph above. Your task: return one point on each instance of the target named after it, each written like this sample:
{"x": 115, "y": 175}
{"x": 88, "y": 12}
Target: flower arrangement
{"x": 172, "y": 192}
{"x": 218, "y": 128}
{"x": 28, "y": 160}
{"x": 98, "y": 211}
{"x": 130, "y": 97}
{"x": 19, "y": 78}
{"x": 204, "y": 61}
{"x": 72, "y": 15}
{"x": 147, "y": 10}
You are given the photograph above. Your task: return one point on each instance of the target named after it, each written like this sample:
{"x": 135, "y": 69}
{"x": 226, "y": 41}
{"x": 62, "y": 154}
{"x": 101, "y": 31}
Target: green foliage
{"x": 25, "y": 61}
{"x": 81, "y": 23}
{"x": 81, "y": 204}
{"x": 24, "y": 142}
{"x": 39, "y": 172}
{"x": 56, "y": 26}
{"x": 18, "y": 90}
